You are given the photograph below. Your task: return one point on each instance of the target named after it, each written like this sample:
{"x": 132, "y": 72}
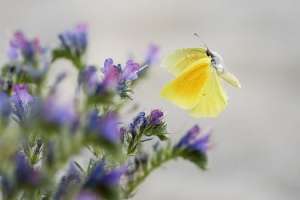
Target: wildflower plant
{"x": 40, "y": 139}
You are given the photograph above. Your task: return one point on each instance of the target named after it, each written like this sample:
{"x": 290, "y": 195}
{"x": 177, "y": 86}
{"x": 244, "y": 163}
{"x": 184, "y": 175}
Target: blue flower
{"x": 110, "y": 80}
{"x": 75, "y": 40}
{"x": 5, "y": 107}
{"x": 90, "y": 79}
{"x": 20, "y": 91}
{"x": 105, "y": 127}
{"x": 87, "y": 195}
{"x": 23, "y": 103}
{"x": 104, "y": 182}
{"x": 140, "y": 121}
{"x": 150, "y": 125}
{"x": 192, "y": 142}
{"x": 68, "y": 182}
{"x": 25, "y": 174}
{"x": 55, "y": 113}
{"x": 130, "y": 71}
{"x": 22, "y": 47}
{"x": 27, "y": 58}
{"x": 152, "y": 55}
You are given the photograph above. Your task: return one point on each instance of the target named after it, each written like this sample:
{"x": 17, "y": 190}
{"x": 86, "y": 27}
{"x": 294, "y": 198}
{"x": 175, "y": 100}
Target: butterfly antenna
{"x": 203, "y": 43}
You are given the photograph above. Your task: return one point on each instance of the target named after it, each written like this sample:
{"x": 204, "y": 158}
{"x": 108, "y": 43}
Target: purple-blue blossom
{"x": 90, "y": 79}
{"x": 156, "y": 117}
{"x": 25, "y": 174}
{"x": 152, "y": 55}
{"x": 5, "y": 107}
{"x": 61, "y": 114}
{"x": 130, "y": 71}
{"x": 21, "y": 91}
{"x": 27, "y": 57}
{"x": 106, "y": 126}
{"x": 87, "y": 195}
{"x": 22, "y": 102}
{"x": 193, "y": 142}
{"x": 140, "y": 121}
{"x": 68, "y": 182}
{"x": 111, "y": 75}
{"x": 21, "y": 47}
{"x": 103, "y": 181}
{"x": 116, "y": 76}
{"x": 75, "y": 40}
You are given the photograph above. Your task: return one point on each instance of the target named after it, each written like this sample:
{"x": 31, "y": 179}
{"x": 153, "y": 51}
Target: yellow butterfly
{"x": 197, "y": 85}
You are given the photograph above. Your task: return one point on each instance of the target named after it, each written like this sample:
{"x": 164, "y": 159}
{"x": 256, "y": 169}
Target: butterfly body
{"x": 197, "y": 84}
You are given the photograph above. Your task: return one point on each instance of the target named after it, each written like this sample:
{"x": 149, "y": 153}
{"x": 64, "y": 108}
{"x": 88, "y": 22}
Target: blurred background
{"x": 256, "y": 141}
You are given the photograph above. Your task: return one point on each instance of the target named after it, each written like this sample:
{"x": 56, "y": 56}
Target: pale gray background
{"x": 256, "y": 140}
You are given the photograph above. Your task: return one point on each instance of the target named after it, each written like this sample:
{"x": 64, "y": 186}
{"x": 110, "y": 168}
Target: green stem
{"x": 134, "y": 143}
{"x": 157, "y": 161}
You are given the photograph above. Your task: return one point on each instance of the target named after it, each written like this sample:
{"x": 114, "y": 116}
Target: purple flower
{"x": 59, "y": 114}
{"x": 191, "y": 141}
{"x": 13, "y": 53}
{"x": 108, "y": 63}
{"x": 130, "y": 72}
{"x": 111, "y": 75}
{"x": 22, "y": 102}
{"x": 75, "y": 40}
{"x": 140, "y": 121}
{"x": 20, "y": 91}
{"x": 87, "y": 195}
{"x": 156, "y": 117}
{"x": 5, "y": 107}
{"x": 25, "y": 174}
{"x": 117, "y": 78}
{"x": 152, "y": 55}
{"x": 105, "y": 127}
{"x": 104, "y": 181}
{"x": 28, "y": 58}
{"x": 90, "y": 79}
{"x": 68, "y": 182}
{"x": 22, "y": 46}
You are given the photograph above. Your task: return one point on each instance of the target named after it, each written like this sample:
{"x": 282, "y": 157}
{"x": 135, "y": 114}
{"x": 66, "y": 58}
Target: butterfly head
{"x": 216, "y": 60}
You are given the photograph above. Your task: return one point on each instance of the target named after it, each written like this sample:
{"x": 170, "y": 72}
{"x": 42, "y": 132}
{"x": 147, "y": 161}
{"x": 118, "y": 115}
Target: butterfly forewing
{"x": 181, "y": 59}
{"x": 184, "y": 91}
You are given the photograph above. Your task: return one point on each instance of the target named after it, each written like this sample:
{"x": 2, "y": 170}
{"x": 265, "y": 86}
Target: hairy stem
{"x": 157, "y": 161}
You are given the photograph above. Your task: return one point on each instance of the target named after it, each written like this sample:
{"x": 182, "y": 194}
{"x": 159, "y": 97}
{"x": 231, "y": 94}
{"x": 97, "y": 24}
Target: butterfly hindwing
{"x": 178, "y": 61}
{"x": 213, "y": 98}
{"x": 185, "y": 90}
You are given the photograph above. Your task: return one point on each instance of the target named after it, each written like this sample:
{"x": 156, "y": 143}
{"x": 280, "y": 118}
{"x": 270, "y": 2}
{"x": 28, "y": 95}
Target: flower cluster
{"x": 103, "y": 182}
{"x": 104, "y": 128}
{"x": 144, "y": 128}
{"x": 28, "y": 60}
{"x": 75, "y": 40}
{"x": 24, "y": 49}
{"x": 73, "y": 45}
{"x": 115, "y": 78}
{"x": 40, "y": 135}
